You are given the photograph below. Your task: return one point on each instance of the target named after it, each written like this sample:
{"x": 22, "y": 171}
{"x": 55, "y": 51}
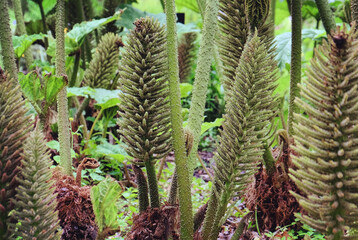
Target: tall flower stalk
{"x": 62, "y": 105}
{"x": 181, "y": 160}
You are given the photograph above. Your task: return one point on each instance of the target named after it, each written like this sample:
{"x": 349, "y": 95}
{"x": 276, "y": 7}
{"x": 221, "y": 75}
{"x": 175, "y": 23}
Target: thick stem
{"x": 296, "y": 50}
{"x": 173, "y": 189}
{"x": 220, "y": 213}
{"x": 82, "y": 107}
{"x": 210, "y": 216}
{"x": 142, "y": 188}
{"x": 62, "y": 106}
{"x": 181, "y": 160}
{"x": 240, "y": 227}
{"x": 153, "y": 185}
{"x": 202, "y": 77}
{"x": 354, "y": 9}
{"x": 22, "y": 30}
{"x": 75, "y": 70}
{"x": 289, "y": 5}
{"x": 326, "y": 15}
{"x": 44, "y": 25}
{"x": 273, "y": 11}
{"x": 199, "y": 216}
{"x": 7, "y": 50}
{"x": 268, "y": 160}
{"x": 201, "y": 5}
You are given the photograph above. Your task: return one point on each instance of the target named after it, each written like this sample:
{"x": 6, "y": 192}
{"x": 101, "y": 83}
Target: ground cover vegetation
{"x": 163, "y": 119}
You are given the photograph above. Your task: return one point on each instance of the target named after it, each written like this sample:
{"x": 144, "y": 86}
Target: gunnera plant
{"x": 101, "y": 70}
{"x": 245, "y": 129}
{"x": 145, "y": 111}
{"x": 14, "y": 127}
{"x": 327, "y": 140}
{"x": 35, "y": 201}
{"x": 186, "y": 54}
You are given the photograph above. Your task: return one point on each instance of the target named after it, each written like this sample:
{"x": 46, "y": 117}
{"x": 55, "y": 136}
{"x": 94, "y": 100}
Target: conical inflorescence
{"x": 234, "y": 31}
{"x": 186, "y": 54}
{"x": 104, "y": 64}
{"x": 145, "y": 111}
{"x": 248, "y": 116}
{"x": 35, "y": 202}
{"x": 14, "y": 127}
{"x": 145, "y": 122}
{"x": 327, "y": 140}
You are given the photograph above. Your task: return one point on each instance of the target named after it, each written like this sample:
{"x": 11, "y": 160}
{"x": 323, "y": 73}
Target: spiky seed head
{"x": 14, "y": 127}
{"x": 327, "y": 141}
{"x": 249, "y": 113}
{"x": 257, "y": 12}
{"x": 104, "y": 64}
{"x": 234, "y": 32}
{"x": 186, "y": 55}
{"x": 35, "y": 199}
{"x": 145, "y": 112}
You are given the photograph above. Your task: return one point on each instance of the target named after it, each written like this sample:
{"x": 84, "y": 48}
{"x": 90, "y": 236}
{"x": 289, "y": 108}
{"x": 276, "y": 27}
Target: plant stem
{"x": 82, "y": 107}
{"x": 153, "y": 185}
{"x": 268, "y": 160}
{"x": 75, "y": 70}
{"x": 94, "y": 124}
{"x": 62, "y": 106}
{"x": 210, "y": 215}
{"x": 22, "y": 30}
{"x": 326, "y": 15}
{"x": 240, "y": 227}
{"x": 82, "y": 121}
{"x": 142, "y": 188}
{"x": 202, "y": 77}
{"x": 289, "y": 5}
{"x": 181, "y": 160}
{"x": 44, "y": 25}
{"x": 354, "y": 9}
{"x": 220, "y": 212}
{"x": 296, "y": 50}
{"x": 7, "y": 50}
{"x": 272, "y": 11}
{"x": 201, "y": 5}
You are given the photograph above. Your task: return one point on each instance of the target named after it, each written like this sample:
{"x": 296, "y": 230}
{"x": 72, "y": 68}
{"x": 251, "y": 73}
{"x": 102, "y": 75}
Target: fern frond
{"x": 145, "y": 112}
{"x": 35, "y": 202}
{"x": 14, "y": 126}
{"x": 327, "y": 140}
{"x": 102, "y": 67}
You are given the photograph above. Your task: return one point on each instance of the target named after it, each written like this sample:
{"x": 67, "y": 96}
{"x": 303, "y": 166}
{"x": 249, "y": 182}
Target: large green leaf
{"x": 283, "y": 44}
{"x": 207, "y": 125}
{"x": 23, "y": 42}
{"x": 37, "y": 88}
{"x": 116, "y": 152}
{"x": 31, "y": 86}
{"x": 104, "y": 197}
{"x": 104, "y": 98}
{"x": 191, "y": 4}
{"x": 53, "y": 85}
{"x": 75, "y": 37}
{"x": 80, "y": 30}
{"x": 185, "y": 89}
{"x": 33, "y": 10}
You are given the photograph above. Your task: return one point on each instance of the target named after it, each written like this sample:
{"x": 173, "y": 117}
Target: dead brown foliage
{"x": 74, "y": 209}
{"x": 156, "y": 224}
{"x": 270, "y": 195}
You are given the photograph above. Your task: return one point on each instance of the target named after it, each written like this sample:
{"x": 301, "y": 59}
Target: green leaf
{"x": 104, "y": 197}
{"x": 31, "y": 86}
{"x": 79, "y": 91}
{"x": 185, "y": 89}
{"x": 283, "y": 44}
{"x": 75, "y": 37}
{"x": 103, "y": 97}
{"x": 190, "y": 4}
{"x": 53, "y": 85}
{"x": 23, "y": 42}
{"x": 207, "y": 125}
{"x": 116, "y": 152}
{"x": 53, "y": 144}
{"x": 80, "y": 30}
